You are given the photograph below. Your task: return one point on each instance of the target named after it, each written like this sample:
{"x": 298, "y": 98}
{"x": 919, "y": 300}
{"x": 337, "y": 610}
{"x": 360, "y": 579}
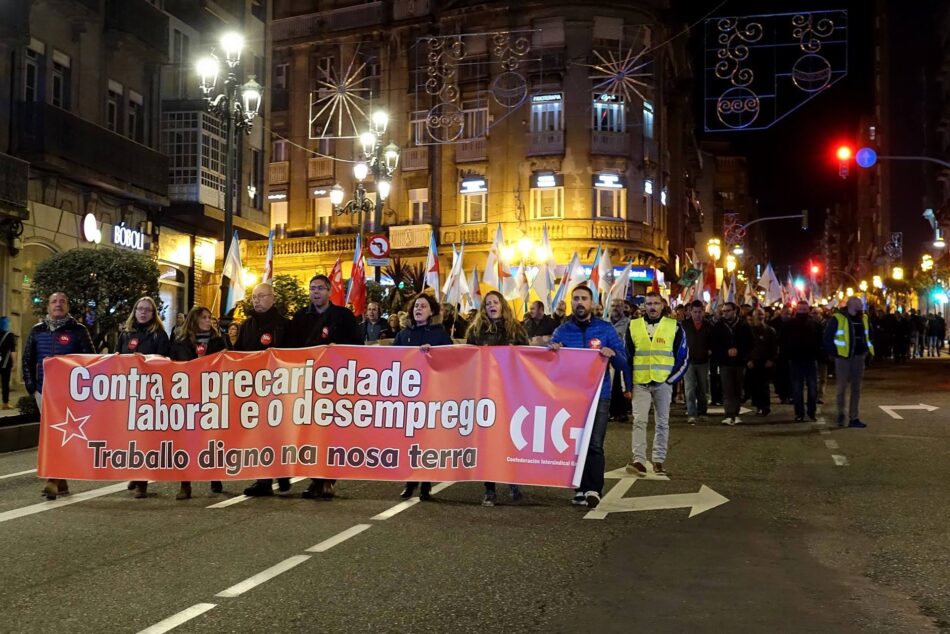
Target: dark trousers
{"x": 619, "y": 406}
{"x": 5, "y": 383}
{"x": 804, "y": 374}
{"x": 715, "y": 383}
{"x": 593, "y": 477}
{"x": 781, "y": 380}
{"x": 731, "y": 388}
{"x": 757, "y": 381}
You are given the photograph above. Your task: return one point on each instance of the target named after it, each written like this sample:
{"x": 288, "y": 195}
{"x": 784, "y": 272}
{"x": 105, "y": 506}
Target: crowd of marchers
{"x": 727, "y": 356}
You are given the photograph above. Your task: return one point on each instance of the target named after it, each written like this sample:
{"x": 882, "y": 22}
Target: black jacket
{"x": 261, "y": 331}
{"x": 726, "y": 336}
{"x": 70, "y": 338}
{"x": 432, "y": 334}
{"x": 335, "y": 325}
{"x": 801, "y": 339}
{"x": 764, "y": 344}
{"x": 497, "y": 336}
{"x": 185, "y": 350}
{"x": 543, "y": 328}
{"x": 140, "y": 340}
{"x": 384, "y": 331}
{"x": 699, "y": 341}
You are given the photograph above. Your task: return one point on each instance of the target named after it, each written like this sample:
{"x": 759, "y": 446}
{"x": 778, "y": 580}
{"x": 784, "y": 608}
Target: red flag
{"x": 709, "y": 279}
{"x": 357, "y": 293}
{"x": 337, "y": 291}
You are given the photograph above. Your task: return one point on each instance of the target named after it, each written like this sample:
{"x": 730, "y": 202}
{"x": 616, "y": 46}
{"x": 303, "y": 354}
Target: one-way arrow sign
{"x": 891, "y": 410}
{"x": 614, "y": 502}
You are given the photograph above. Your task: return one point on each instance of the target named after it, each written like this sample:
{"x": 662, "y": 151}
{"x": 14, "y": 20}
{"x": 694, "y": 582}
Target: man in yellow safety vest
{"x": 848, "y": 340}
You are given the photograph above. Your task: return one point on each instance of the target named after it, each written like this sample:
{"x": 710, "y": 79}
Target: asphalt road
{"x": 824, "y": 530}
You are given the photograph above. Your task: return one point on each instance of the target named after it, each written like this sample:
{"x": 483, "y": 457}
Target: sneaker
{"x": 516, "y": 494}
{"x": 736, "y": 420}
{"x": 579, "y": 499}
{"x": 658, "y": 468}
{"x": 799, "y": 419}
{"x": 840, "y": 420}
{"x": 691, "y": 420}
{"x": 728, "y": 421}
{"x": 593, "y": 499}
{"x": 259, "y": 489}
{"x": 813, "y": 418}
{"x": 857, "y": 423}
{"x": 636, "y": 468}
{"x": 489, "y": 499}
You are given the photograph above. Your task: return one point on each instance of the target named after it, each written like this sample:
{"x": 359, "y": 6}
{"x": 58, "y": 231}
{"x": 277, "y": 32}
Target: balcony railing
{"x": 414, "y": 158}
{"x": 319, "y": 168}
{"x": 343, "y": 19}
{"x": 305, "y": 246}
{"x": 610, "y": 143}
{"x": 540, "y": 143}
{"x": 591, "y": 230}
{"x": 14, "y": 176}
{"x": 59, "y": 140}
{"x": 278, "y": 173}
{"x": 139, "y": 19}
{"x": 474, "y": 150}
{"x": 410, "y": 236}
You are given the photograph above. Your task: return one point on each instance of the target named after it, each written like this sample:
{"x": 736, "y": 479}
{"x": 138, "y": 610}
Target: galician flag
{"x": 497, "y": 275}
{"x": 594, "y": 281}
{"x": 269, "y": 259}
{"x": 357, "y": 291}
{"x": 770, "y": 284}
{"x": 619, "y": 288}
{"x": 234, "y": 271}
{"x": 543, "y": 283}
{"x": 432, "y": 268}
{"x": 455, "y": 285}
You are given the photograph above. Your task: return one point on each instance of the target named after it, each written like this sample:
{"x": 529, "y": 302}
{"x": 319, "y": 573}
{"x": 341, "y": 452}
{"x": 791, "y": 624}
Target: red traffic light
{"x": 815, "y": 269}
{"x": 844, "y": 153}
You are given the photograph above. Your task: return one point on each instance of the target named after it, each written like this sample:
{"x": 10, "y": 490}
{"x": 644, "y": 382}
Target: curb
{"x": 17, "y": 437}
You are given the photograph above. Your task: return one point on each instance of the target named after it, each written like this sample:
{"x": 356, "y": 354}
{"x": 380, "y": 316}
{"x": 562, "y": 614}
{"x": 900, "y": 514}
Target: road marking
{"x": 824, "y": 432}
{"x": 18, "y": 473}
{"x": 339, "y": 538}
{"x": 613, "y": 495}
{"x": 840, "y": 460}
{"x": 722, "y": 410}
{"x": 891, "y": 410}
{"x": 49, "y": 505}
{"x": 177, "y": 619}
{"x": 237, "y": 499}
{"x": 699, "y": 502}
{"x": 622, "y": 474}
{"x": 402, "y": 506}
{"x": 831, "y": 444}
{"x": 265, "y": 575}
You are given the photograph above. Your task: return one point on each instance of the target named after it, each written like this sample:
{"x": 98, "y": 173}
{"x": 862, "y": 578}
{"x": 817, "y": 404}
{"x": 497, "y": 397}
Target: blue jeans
{"x": 593, "y": 477}
{"x": 697, "y": 389}
{"x": 804, "y": 374}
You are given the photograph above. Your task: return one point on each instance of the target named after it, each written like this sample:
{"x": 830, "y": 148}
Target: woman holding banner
{"x": 495, "y": 325}
{"x": 426, "y": 331}
{"x": 143, "y": 333}
{"x": 196, "y": 339}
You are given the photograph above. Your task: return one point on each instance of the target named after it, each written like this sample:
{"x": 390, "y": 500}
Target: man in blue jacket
{"x": 583, "y": 330}
{"x": 58, "y": 333}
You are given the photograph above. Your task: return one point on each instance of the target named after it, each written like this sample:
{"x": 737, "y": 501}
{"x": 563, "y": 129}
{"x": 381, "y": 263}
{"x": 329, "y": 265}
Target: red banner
{"x": 503, "y": 414}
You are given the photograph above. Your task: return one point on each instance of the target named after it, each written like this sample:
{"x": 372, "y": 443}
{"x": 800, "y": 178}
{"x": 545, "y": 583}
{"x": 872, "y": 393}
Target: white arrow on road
{"x": 614, "y": 502}
{"x": 722, "y": 410}
{"x": 890, "y": 410}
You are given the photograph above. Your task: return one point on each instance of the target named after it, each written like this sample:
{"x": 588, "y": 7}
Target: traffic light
{"x": 815, "y": 270}
{"x": 804, "y": 220}
{"x": 844, "y": 153}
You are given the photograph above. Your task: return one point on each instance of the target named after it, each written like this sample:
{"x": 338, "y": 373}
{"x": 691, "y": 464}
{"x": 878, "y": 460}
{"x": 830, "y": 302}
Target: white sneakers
{"x": 731, "y": 421}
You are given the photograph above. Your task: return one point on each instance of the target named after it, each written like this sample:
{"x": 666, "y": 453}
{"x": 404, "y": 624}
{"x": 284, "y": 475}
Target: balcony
{"x": 140, "y": 20}
{"x": 367, "y": 14}
{"x": 469, "y": 234}
{"x": 306, "y": 246}
{"x": 610, "y": 143}
{"x": 278, "y": 173}
{"x": 14, "y": 176}
{"x": 541, "y": 143}
{"x": 414, "y": 158}
{"x": 319, "y": 168}
{"x": 58, "y": 140}
{"x": 637, "y": 234}
{"x": 410, "y": 236}
{"x": 474, "y": 150}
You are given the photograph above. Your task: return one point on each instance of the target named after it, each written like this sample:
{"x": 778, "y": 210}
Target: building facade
{"x": 524, "y": 115}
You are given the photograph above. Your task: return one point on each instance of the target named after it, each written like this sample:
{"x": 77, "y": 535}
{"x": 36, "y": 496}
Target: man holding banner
{"x": 319, "y": 324}
{"x": 583, "y": 330}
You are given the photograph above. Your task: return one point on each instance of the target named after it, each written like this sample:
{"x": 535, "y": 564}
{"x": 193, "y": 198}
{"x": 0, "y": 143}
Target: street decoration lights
{"x": 863, "y": 286}
{"x": 897, "y": 273}
{"x": 376, "y": 159}
{"x": 926, "y": 262}
{"x": 237, "y": 105}
{"x": 877, "y": 282}
{"x": 730, "y": 263}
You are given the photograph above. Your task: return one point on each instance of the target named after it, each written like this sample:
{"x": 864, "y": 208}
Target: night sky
{"x": 792, "y": 165}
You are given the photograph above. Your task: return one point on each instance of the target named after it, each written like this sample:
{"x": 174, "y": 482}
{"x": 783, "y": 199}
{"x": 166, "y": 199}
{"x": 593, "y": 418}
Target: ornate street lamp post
{"x": 237, "y": 105}
{"x": 376, "y": 159}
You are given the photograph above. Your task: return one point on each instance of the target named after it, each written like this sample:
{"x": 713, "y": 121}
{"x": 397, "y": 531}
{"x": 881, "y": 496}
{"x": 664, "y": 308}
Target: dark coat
{"x": 497, "y": 337}
{"x": 726, "y": 336}
{"x": 335, "y": 325}
{"x": 801, "y": 339}
{"x": 764, "y": 344}
{"x": 70, "y": 338}
{"x": 432, "y": 334}
{"x": 185, "y": 350}
{"x": 699, "y": 342}
{"x": 543, "y": 328}
{"x": 261, "y": 331}
{"x": 140, "y": 340}
{"x": 384, "y": 331}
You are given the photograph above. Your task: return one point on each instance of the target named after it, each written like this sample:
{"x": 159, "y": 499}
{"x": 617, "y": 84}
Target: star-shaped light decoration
{"x": 72, "y": 427}
{"x": 339, "y": 95}
{"x": 623, "y": 73}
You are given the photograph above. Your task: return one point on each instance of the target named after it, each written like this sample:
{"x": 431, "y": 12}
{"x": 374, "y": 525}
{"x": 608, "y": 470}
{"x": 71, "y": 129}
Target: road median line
{"x": 177, "y": 619}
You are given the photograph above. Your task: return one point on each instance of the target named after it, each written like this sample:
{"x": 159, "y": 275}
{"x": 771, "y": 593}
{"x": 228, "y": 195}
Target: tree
{"x": 289, "y": 297}
{"x": 102, "y": 286}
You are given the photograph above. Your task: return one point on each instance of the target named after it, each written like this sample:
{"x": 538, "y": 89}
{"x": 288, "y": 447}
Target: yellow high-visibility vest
{"x": 843, "y": 335}
{"x": 653, "y": 359}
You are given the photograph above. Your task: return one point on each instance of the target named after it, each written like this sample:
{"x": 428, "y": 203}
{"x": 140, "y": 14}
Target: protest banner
{"x": 520, "y": 415}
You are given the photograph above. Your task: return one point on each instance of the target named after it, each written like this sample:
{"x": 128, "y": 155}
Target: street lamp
{"x": 380, "y": 161}
{"x": 730, "y": 263}
{"x": 714, "y": 248}
{"x": 939, "y": 242}
{"x": 926, "y": 262}
{"x": 237, "y": 104}
{"x": 863, "y": 286}
{"x": 897, "y": 273}
{"x": 877, "y": 282}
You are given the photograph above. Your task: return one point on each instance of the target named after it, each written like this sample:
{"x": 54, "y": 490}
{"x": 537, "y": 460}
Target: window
{"x": 608, "y": 113}
{"x": 114, "y": 106}
{"x": 419, "y": 206}
{"x": 547, "y": 203}
{"x": 420, "y": 135}
{"x": 647, "y": 120}
{"x": 607, "y": 31}
{"x": 280, "y": 76}
{"x": 546, "y": 113}
{"x": 34, "y": 63}
{"x": 648, "y": 201}
{"x": 180, "y": 143}
{"x": 279, "y": 151}
{"x": 180, "y": 60}
{"x": 549, "y": 33}
{"x": 664, "y": 196}
{"x": 135, "y": 118}
{"x": 212, "y": 152}
{"x": 474, "y": 207}
{"x": 474, "y": 119}
{"x": 322, "y": 212}
{"x": 278, "y": 214}
{"x": 610, "y": 196}
{"x": 60, "y": 84}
